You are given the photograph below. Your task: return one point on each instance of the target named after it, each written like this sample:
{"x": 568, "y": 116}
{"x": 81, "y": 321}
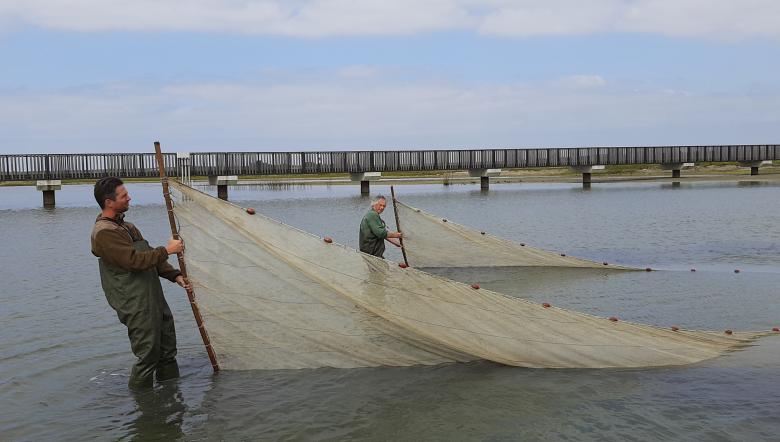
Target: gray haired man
{"x": 373, "y": 230}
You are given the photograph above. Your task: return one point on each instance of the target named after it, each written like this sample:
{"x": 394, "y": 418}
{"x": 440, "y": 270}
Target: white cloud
{"x": 718, "y": 19}
{"x": 338, "y": 113}
{"x": 581, "y": 81}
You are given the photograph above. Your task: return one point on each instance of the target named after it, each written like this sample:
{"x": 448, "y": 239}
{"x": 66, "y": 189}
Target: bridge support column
{"x": 222, "y": 183}
{"x": 753, "y": 165}
{"x": 365, "y": 178}
{"x": 48, "y": 187}
{"x": 222, "y": 191}
{"x": 586, "y": 172}
{"x": 676, "y": 168}
{"x": 484, "y": 176}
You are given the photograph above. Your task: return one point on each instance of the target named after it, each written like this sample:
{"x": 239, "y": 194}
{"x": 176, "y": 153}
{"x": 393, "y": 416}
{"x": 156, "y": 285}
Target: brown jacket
{"x": 112, "y": 240}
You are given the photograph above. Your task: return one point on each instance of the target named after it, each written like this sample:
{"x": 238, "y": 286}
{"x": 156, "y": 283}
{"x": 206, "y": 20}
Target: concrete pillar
{"x": 222, "y": 191}
{"x": 222, "y": 183}
{"x": 586, "y": 172}
{"x": 753, "y": 165}
{"x": 676, "y": 168}
{"x": 364, "y": 178}
{"x": 49, "y": 200}
{"x": 484, "y": 176}
{"x": 48, "y": 187}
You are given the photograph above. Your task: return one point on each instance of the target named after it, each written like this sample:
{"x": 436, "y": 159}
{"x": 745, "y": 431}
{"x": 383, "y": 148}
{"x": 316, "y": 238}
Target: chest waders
{"x": 137, "y": 297}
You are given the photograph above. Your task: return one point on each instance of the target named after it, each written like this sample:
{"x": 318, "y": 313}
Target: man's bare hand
{"x": 183, "y": 282}
{"x": 174, "y": 246}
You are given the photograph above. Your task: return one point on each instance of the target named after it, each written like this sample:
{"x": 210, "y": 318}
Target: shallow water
{"x": 64, "y": 357}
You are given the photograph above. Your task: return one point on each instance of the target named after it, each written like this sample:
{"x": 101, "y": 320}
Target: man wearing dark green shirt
{"x": 373, "y": 230}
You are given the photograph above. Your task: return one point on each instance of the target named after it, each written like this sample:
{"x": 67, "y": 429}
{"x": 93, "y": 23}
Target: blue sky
{"x": 208, "y": 75}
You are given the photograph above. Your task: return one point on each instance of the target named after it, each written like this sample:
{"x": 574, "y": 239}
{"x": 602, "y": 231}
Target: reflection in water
{"x": 159, "y": 413}
{"x": 675, "y": 185}
{"x": 752, "y": 183}
{"x": 258, "y": 186}
{"x": 462, "y": 401}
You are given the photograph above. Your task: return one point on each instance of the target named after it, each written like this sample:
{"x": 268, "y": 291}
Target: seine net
{"x": 275, "y": 297}
{"x": 426, "y": 237}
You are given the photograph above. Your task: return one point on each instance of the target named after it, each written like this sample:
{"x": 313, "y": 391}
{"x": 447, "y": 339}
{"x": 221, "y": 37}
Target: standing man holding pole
{"x": 130, "y": 272}
{"x": 373, "y": 230}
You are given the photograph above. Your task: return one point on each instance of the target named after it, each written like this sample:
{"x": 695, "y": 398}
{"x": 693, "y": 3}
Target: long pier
{"x": 28, "y": 167}
{"x": 224, "y": 168}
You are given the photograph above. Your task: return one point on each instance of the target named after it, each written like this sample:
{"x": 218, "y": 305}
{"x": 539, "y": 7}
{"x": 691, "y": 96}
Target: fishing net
{"x": 275, "y": 297}
{"x": 431, "y": 241}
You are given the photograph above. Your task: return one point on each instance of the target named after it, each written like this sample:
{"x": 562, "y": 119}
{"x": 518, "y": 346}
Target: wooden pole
{"x": 397, "y": 225}
{"x": 182, "y": 266}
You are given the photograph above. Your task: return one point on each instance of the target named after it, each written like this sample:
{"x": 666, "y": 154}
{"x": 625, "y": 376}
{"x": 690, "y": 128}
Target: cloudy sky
{"x": 265, "y": 75}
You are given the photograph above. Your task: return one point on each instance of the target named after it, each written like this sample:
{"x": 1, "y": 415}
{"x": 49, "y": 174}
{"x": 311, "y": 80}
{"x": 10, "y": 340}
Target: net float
{"x": 250, "y": 211}
{"x": 482, "y": 233}
{"x": 728, "y": 332}
{"x": 475, "y": 286}
{"x": 605, "y": 263}
{"x": 328, "y": 239}
{"x": 444, "y": 220}
{"x": 693, "y": 270}
{"x": 736, "y": 270}
{"x": 775, "y": 329}
{"x": 675, "y": 328}
{"x": 522, "y": 244}
{"x": 403, "y": 265}
{"x": 613, "y": 319}
{"x": 648, "y": 269}
{"x": 546, "y": 305}
{"x": 563, "y": 254}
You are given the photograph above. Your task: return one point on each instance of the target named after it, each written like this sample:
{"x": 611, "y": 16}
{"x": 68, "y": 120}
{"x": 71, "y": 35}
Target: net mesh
{"x": 275, "y": 297}
{"x": 426, "y": 236}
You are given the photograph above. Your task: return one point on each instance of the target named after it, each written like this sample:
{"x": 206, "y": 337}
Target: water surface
{"x": 64, "y": 357}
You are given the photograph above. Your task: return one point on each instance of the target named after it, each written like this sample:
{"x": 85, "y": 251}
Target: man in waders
{"x": 130, "y": 274}
{"x": 373, "y": 230}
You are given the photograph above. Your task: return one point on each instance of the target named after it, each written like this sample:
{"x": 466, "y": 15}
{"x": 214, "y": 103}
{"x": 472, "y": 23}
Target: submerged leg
{"x": 143, "y": 329}
{"x": 167, "y": 367}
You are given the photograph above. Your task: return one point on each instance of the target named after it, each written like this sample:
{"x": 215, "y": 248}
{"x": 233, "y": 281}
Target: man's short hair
{"x": 105, "y": 188}
{"x": 377, "y": 199}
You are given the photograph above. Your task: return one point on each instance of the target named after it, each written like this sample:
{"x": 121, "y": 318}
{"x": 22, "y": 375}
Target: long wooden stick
{"x": 182, "y": 266}
{"x": 397, "y": 225}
